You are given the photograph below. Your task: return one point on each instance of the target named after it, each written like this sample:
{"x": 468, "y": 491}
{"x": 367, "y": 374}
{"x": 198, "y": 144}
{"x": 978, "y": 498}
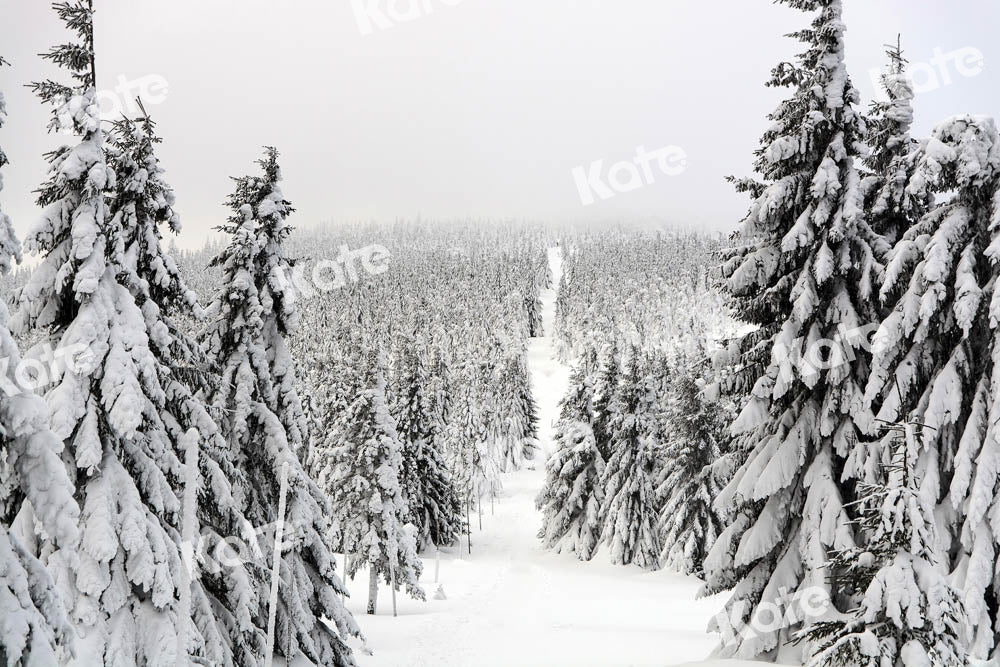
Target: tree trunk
{"x": 372, "y": 588}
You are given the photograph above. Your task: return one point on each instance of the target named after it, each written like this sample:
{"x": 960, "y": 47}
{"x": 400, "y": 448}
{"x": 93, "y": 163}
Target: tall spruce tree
{"x": 604, "y": 383}
{"x": 362, "y": 475}
{"x": 628, "y": 512}
{"x": 141, "y": 208}
{"x": 805, "y": 269}
{"x": 697, "y": 436}
{"x": 934, "y": 355}
{"x": 472, "y": 459}
{"x": 263, "y": 423}
{"x": 518, "y": 423}
{"x": 433, "y": 503}
{"x": 35, "y": 629}
{"x": 570, "y": 500}
{"x": 124, "y": 587}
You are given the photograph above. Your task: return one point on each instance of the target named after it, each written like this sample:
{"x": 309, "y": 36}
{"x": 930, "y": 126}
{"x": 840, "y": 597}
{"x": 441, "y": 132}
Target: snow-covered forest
{"x": 507, "y": 442}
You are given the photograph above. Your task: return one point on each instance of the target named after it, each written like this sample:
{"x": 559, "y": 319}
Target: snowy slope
{"x": 511, "y": 603}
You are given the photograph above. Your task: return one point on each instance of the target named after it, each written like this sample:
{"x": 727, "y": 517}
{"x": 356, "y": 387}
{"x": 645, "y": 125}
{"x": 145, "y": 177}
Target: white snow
{"x": 512, "y": 603}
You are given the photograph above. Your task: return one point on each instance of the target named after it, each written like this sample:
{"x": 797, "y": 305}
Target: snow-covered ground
{"x": 512, "y": 603}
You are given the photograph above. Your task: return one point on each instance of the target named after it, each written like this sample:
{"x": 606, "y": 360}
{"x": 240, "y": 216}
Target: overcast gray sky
{"x": 478, "y": 108}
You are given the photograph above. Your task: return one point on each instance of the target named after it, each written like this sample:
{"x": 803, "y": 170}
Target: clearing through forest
{"x": 512, "y": 603}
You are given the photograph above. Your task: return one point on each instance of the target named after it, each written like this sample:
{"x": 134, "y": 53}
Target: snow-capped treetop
{"x": 260, "y": 231}
{"x": 891, "y": 119}
{"x": 72, "y": 233}
{"x": 78, "y": 58}
{"x": 259, "y": 198}
{"x": 143, "y": 204}
{"x": 891, "y": 209}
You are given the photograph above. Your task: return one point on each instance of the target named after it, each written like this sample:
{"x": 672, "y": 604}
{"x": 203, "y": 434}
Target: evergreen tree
{"x": 473, "y": 461}
{"x": 435, "y": 508}
{"x": 34, "y": 629}
{"x": 908, "y": 613}
{"x": 628, "y": 512}
{"x": 124, "y": 586}
{"x": 934, "y": 353}
{"x": 518, "y": 423}
{"x": 577, "y": 404}
{"x": 571, "y": 498}
{"x": 262, "y": 421}
{"x": 362, "y": 476}
{"x": 141, "y": 206}
{"x": 533, "y": 310}
{"x": 806, "y": 270}
{"x": 340, "y": 379}
{"x": 604, "y": 383}
{"x": 688, "y": 483}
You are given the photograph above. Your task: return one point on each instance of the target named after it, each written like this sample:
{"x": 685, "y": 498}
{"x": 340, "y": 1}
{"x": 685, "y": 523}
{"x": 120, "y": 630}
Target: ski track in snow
{"x": 512, "y": 603}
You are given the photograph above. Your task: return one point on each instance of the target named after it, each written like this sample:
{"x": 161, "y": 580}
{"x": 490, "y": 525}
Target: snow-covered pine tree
{"x": 533, "y": 311}
{"x": 141, "y": 207}
{"x": 663, "y": 371}
{"x": 106, "y": 285}
{"x": 688, "y": 484}
{"x": 603, "y": 385}
{"x": 934, "y": 355}
{"x": 261, "y": 418}
{"x": 518, "y": 414}
{"x": 472, "y": 460}
{"x": 577, "y": 404}
{"x": 124, "y": 586}
{"x": 570, "y": 500}
{"x": 907, "y": 614}
{"x": 806, "y": 270}
{"x": 34, "y": 629}
{"x": 362, "y": 476}
{"x": 890, "y": 209}
{"x": 628, "y": 512}
{"x": 434, "y": 506}
{"x": 339, "y": 380}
